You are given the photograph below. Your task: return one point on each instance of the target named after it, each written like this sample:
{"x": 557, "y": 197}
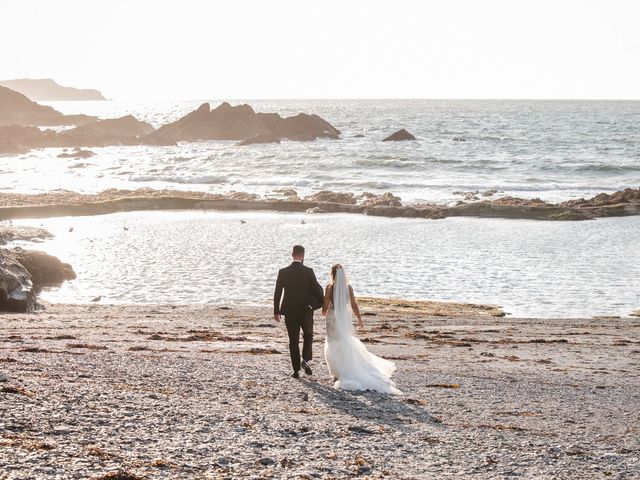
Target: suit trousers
{"x": 295, "y": 322}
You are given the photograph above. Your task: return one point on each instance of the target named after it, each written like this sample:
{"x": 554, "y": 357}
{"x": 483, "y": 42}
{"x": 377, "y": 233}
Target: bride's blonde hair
{"x": 334, "y": 270}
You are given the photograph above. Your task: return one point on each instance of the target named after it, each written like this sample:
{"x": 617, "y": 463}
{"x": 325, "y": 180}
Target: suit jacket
{"x": 301, "y": 290}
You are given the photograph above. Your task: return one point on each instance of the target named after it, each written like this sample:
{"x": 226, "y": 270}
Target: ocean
{"x": 553, "y": 150}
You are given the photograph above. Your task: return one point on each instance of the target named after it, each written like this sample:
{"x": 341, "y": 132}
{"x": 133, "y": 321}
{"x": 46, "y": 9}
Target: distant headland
{"x": 46, "y": 89}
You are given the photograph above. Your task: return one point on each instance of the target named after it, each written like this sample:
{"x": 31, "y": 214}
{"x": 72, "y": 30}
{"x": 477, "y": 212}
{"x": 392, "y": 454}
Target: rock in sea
{"x": 398, "y": 136}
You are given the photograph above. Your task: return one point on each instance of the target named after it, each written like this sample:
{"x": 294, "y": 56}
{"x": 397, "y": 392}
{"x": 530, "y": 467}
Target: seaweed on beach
{"x": 35, "y": 350}
{"x": 100, "y": 453}
{"x": 200, "y": 336}
{"x": 120, "y": 475}
{"x": 17, "y": 390}
{"x": 87, "y": 346}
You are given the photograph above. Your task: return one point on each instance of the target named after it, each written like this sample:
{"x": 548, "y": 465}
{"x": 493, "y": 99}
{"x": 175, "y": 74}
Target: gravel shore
{"x": 127, "y": 392}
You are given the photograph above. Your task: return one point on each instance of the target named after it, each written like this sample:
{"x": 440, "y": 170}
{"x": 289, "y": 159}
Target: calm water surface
{"x": 535, "y": 269}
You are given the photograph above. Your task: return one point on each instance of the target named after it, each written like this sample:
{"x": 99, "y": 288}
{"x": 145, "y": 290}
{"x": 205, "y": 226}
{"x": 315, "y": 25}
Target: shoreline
{"x": 161, "y": 391}
{"x": 65, "y": 203}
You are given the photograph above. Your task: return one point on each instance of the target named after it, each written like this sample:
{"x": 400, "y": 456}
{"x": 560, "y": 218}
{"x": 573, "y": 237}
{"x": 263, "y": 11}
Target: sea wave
{"x": 607, "y": 167}
{"x": 205, "y": 180}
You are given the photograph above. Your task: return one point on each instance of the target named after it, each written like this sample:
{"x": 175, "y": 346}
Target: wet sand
{"x": 90, "y": 391}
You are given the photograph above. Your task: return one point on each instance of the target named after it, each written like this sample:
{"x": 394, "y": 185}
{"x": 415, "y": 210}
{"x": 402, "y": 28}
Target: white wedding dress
{"x": 349, "y": 361}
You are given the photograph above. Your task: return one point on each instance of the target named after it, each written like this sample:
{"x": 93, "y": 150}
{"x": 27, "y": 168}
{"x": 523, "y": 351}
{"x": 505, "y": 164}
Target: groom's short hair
{"x": 297, "y": 250}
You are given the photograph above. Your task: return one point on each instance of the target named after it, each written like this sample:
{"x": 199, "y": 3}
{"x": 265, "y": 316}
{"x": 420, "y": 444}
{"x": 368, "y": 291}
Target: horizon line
{"x": 513, "y": 99}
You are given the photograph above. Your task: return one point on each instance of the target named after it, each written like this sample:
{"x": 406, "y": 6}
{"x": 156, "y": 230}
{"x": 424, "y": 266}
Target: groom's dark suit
{"x": 302, "y": 295}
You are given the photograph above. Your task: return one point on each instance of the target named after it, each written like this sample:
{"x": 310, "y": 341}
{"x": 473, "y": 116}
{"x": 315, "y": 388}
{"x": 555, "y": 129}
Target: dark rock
{"x": 386, "y": 199}
{"x": 241, "y": 122}
{"x": 16, "y": 139}
{"x": 23, "y": 273}
{"x": 459, "y": 139}
{"x": 16, "y": 289}
{"x": 127, "y": 126}
{"x": 358, "y": 135}
{"x": 359, "y": 429}
{"x": 286, "y": 192}
{"x": 259, "y": 138}
{"x": 99, "y": 133}
{"x": 266, "y": 461}
{"x": 45, "y": 270}
{"x": 77, "y": 153}
{"x": 398, "y": 136}
{"x": 8, "y": 147}
{"x": 570, "y": 215}
{"x": 17, "y": 109}
{"x": 364, "y": 470}
{"x": 28, "y": 234}
{"x": 326, "y": 196}
{"x": 46, "y": 89}
{"x": 242, "y": 196}
{"x": 626, "y": 196}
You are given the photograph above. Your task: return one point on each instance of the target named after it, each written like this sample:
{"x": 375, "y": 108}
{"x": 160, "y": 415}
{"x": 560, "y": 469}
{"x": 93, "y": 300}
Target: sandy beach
{"x": 127, "y": 392}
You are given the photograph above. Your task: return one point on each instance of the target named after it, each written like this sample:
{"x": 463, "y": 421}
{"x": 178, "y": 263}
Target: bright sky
{"x": 192, "y": 49}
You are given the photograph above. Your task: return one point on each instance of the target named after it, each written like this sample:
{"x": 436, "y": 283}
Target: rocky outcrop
{"x": 45, "y": 270}
{"x": 17, "y": 109}
{"x": 46, "y": 89}
{"x": 28, "y": 234}
{"x": 24, "y": 273}
{"x": 16, "y": 288}
{"x": 127, "y": 126}
{"x": 101, "y": 133}
{"x": 327, "y": 196}
{"x": 398, "y": 136}
{"x": 9, "y": 147}
{"x": 626, "y": 196}
{"x": 241, "y": 122}
{"x": 372, "y": 200}
{"x": 77, "y": 153}
{"x": 259, "y": 138}
{"x": 64, "y": 203}
{"x": 125, "y": 130}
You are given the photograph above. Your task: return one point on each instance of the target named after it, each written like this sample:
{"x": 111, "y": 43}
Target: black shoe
{"x": 295, "y": 375}
{"x": 307, "y": 368}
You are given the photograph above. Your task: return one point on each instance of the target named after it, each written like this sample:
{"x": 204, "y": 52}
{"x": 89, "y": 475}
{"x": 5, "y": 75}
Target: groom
{"x": 302, "y": 295}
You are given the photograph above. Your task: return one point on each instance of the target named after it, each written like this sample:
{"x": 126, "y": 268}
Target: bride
{"x": 353, "y": 367}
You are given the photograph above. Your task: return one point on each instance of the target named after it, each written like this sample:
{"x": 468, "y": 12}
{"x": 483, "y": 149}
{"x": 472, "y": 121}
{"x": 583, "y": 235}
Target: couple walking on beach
{"x": 352, "y": 366}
